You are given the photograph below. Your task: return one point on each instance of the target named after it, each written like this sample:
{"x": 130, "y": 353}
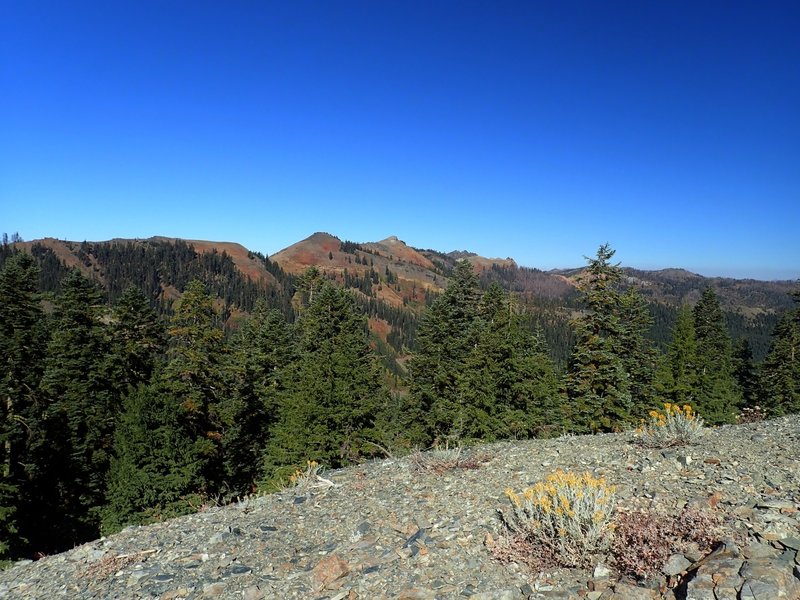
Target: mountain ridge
{"x": 395, "y": 282}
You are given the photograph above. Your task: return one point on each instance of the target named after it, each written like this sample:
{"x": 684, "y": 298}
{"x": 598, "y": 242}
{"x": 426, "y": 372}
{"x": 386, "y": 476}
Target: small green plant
{"x": 674, "y": 426}
{"x": 565, "y": 520}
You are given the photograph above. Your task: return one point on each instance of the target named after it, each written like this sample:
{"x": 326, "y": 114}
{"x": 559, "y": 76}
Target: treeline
{"x": 112, "y": 414}
{"x": 157, "y": 266}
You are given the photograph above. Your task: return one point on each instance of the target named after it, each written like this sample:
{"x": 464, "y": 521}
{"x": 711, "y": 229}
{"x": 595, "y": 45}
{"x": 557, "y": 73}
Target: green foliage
{"x": 678, "y": 375}
{"x": 597, "y": 383}
{"x": 261, "y": 351}
{"x": 138, "y": 339}
{"x": 718, "y": 397}
{"x": 333, "y": 388}
{"x": 22, "y": 345}
{"x": 102, "y": 415}
{"x": 781, "y": 370}
{"x": 194, "y": 377}
{"x": 445, "y": 338}
{"x": 155, "y": 469}
{"x": 508, "y": 387}
{"x": 639, "y": 356}
{"x": 479, "y": 373}
{"x": 81, "y": 412}
{"x": 746, "y": 373}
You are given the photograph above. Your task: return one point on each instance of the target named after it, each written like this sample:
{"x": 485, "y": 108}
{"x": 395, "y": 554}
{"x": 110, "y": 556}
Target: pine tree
{"x": 678, "y": 375}
{"x": 445, "y": 338}
{"x": 718, "y": 397}
{"x": 597, "y": 385}
{"x": 333, "y": 389}
{"x": 22, "y": 345}
{"x": 781, "y": 369}
{"x": 81, "y": 413}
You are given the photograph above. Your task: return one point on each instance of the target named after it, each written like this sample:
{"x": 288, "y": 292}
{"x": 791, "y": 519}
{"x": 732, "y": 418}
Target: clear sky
{"x": 531, "y": 129}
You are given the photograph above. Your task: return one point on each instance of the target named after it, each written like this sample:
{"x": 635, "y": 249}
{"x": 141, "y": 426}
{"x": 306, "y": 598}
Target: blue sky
{"x": 537, "y": 130}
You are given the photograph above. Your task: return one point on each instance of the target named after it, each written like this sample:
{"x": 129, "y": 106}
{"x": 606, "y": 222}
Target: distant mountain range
{"x": 396, "y": 281}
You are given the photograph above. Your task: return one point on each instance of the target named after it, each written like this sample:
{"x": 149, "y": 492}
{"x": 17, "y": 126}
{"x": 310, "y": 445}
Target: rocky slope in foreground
{"x": 389, "y": 529}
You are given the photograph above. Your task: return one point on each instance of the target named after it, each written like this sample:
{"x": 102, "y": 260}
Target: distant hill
{"x": 393, "y": 281}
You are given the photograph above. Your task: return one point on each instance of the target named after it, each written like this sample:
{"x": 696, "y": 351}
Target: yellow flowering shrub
{"x": 674, "y": 426}
{"x": 567, "y": 513}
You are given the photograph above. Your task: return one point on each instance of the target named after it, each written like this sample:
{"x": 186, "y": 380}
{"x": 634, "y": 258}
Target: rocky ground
{"x": 390, "y": 529}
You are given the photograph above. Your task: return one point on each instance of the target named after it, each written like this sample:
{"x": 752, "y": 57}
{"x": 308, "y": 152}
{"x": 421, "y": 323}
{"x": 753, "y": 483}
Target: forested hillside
{"x": 145, "y": 378}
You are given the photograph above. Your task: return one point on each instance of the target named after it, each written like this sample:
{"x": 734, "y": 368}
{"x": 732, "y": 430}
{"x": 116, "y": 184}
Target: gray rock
{"x": 675, "y": 565}
{"x": 601, "y": 571}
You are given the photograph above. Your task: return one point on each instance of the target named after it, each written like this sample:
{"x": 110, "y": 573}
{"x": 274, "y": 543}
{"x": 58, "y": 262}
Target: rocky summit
{"x": 413, "y": 528}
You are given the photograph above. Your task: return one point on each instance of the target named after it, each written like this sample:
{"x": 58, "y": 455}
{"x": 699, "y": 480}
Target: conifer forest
{"x": 123, "y": 404}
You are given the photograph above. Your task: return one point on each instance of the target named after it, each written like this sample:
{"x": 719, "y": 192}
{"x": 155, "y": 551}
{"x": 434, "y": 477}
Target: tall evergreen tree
{"x": 746, "y": 373}
{"x": 781, "y": 369}
{"x": 508, "y": 388}
{"x": 261, "y": 352}
{"x": 639, "y": 356}
{"x": 82, "y": 412}
{"x": 138, "y": 340}
{"x": 597, "y": 384}
{"x": 168, "y": 447}
{"x": 678, "y": 375}
{"x": 445, "y": 339}
{"x": 155, "y": 469}
{"x": 194, "y": 378}
{"x": 22, "y": 345}
{"x": 718, "y": 397}
{"x": 333, "y": 388}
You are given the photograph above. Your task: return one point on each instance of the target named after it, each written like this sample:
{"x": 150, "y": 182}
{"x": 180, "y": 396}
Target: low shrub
{"x": 751, "y": 414}
{"x": 444, "y": 459}
{"x": 644, "y": 539}
{"x": 310, "y": 479}
{"x": 674, "y": 426}
{"x": 564, "y": 520}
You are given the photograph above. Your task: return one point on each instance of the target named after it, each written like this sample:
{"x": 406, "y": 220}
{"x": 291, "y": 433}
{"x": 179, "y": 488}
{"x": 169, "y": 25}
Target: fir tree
{"x": 508, "y": 388}
{"x": 261, "y": 352}
{"x": 194, "y": 377}
{"x": 22, "y": 345}
{"x": 718, "y": 397}
{"x": 598, "y": 387}
{"x": 82, "y": 413}
{"x": 155, "y": 468}
{"x": 333, "y": 388}
{"x": 639, "y": 356}
{"x": 445, "y": 338}
{"x": 168, "y": 447}
{"x": 781, "y": 369}
{"x": 137, "y": 338}
{"x": 746, "y": 373}
{"x": 678, "y": 375}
